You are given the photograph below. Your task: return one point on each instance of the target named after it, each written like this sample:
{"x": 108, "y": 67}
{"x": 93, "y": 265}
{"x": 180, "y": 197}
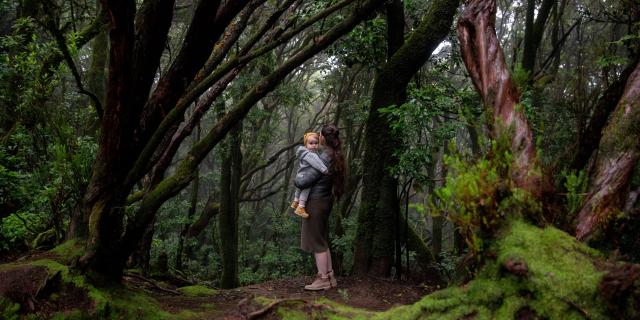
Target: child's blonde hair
{"x": 310, "y": 134}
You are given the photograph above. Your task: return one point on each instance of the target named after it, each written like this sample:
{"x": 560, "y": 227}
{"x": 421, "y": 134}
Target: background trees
{"x": 180, "y": 141}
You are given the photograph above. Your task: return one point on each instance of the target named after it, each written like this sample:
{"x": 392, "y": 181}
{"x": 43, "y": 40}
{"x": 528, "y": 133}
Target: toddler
{"x": 309, "y": 160}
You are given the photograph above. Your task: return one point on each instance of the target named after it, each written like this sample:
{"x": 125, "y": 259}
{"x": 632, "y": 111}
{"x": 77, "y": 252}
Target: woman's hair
{"x": 330, "y": 133}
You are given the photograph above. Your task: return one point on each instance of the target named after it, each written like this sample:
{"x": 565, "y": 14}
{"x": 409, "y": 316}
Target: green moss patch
{"x": 561, "y": 282}
{"x": 115, "y": 302}
{"x": 197, "y": 291}
{"x": 69, "y": 250}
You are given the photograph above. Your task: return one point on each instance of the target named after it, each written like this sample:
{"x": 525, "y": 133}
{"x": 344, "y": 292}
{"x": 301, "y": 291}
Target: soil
{"x": 367, "y": 293}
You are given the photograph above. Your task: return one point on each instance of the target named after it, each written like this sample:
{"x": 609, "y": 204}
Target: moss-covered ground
{"x": 528, "y": 272}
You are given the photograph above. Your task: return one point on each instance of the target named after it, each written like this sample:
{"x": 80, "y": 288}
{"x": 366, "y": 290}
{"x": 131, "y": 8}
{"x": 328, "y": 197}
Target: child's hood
{"x": 300, "y": 151}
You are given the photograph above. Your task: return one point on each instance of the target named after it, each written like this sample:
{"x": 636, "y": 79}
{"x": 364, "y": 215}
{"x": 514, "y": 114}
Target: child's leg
{"x": 296, "y": 195}
{"x": 302, "y": 202}
{"x": 302, "y": 197}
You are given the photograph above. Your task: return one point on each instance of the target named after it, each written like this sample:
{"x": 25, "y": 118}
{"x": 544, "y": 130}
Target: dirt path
{"x": 368, "y": 293}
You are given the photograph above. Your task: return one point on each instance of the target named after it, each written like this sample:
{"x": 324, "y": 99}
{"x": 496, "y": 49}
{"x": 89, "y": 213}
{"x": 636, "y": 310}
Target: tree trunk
{"x": 590, "y": 138}
{"x": 229, "y": 208}
{"x": 210, "y": 210}
{"x": 533, "y": 32}
{"x": 97, "y": 79}
{"x": 185, "y": 228}
{"x": 618, "y": 153}
{"x": 485, "y": 63}
{"x": 141, "y": 256}
{"x": 379, "y": 205}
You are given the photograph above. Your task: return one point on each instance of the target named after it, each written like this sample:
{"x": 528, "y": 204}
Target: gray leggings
{"x": 302, "y": 196}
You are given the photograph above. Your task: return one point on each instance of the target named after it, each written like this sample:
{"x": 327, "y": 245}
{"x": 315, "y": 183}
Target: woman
{"x": 314, "y": 236}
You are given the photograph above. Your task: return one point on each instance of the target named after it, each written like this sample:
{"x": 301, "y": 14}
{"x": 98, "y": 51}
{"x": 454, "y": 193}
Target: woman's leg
{"x": 322, "y": 282}
{"x": 322, "y": 258}
{"x": 332, "y": 276}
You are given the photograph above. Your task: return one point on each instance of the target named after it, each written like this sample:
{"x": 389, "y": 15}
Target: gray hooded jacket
{"x": 320, "y": 184}
{"x": 309, "y": 161}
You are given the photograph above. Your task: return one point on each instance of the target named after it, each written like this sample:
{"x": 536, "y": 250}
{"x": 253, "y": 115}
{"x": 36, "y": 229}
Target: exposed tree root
{"x": 153, "y": 283}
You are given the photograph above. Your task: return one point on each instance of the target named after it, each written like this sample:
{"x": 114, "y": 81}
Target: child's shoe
{"x": 294, "y": 204}
{"x": 301, "y": 212}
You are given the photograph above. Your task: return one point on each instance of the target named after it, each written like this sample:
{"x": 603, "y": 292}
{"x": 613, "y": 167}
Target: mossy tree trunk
{"x": 230, "y": 174}
{"x": 132, "y": 66}
{"x": 589, "y": 139}
{"x": 374, "y": 246}
{"x": 618, "y": 154}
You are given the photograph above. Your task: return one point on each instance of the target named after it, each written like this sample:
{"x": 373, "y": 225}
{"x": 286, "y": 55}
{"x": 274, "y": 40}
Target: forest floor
{"x": 360, "y": 292}
{"x": 367, "y": 293}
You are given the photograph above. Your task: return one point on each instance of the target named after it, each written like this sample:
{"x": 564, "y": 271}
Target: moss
{"x": 293, "y": 314}
{"x": 197, "y": 291}
{"x": 8, "y": 309}
{"x": 561, "y": 282}
{"x": 623, "y": 130}
{"x": 115, "y": 302}
{"x": 69, "y": 250}
{"x": 70, "y": 315}
{"x": 342, "y": 311}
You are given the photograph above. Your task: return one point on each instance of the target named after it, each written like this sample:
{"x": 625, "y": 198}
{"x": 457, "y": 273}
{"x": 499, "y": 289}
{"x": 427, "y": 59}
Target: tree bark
{"x": 590, "y": 138}
{"x": 211, "y": 209}
{"x": 618, "y": 153}
{"x": 229, "y": 208}
{"x": 379, "y": 205}
{"x": 485, "y": 63}
{"x": 533, "y": 32}
{"x": 185, "y": 228}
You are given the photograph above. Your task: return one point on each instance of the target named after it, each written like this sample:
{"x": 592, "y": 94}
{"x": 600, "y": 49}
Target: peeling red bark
{"x": 485, "y": 63}
{"x": 618, "y": 153}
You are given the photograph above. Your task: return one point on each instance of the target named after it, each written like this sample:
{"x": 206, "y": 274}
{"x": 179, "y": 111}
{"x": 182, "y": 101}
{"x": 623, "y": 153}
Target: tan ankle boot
{"x": 319, "y": 284}
{"x": 301, "y": 212}
{"x": 332, "y": 279}
{"x": 294, "y": 204}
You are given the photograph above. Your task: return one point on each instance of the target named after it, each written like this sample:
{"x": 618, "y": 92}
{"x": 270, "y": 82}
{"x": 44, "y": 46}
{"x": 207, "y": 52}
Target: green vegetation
{"x": 197, "y": 291}
{"x": 9, "y": 309}
{"x": 479, "y": 195}
{"x": 561, "y": 281}
{"x": 69, "y": 250}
